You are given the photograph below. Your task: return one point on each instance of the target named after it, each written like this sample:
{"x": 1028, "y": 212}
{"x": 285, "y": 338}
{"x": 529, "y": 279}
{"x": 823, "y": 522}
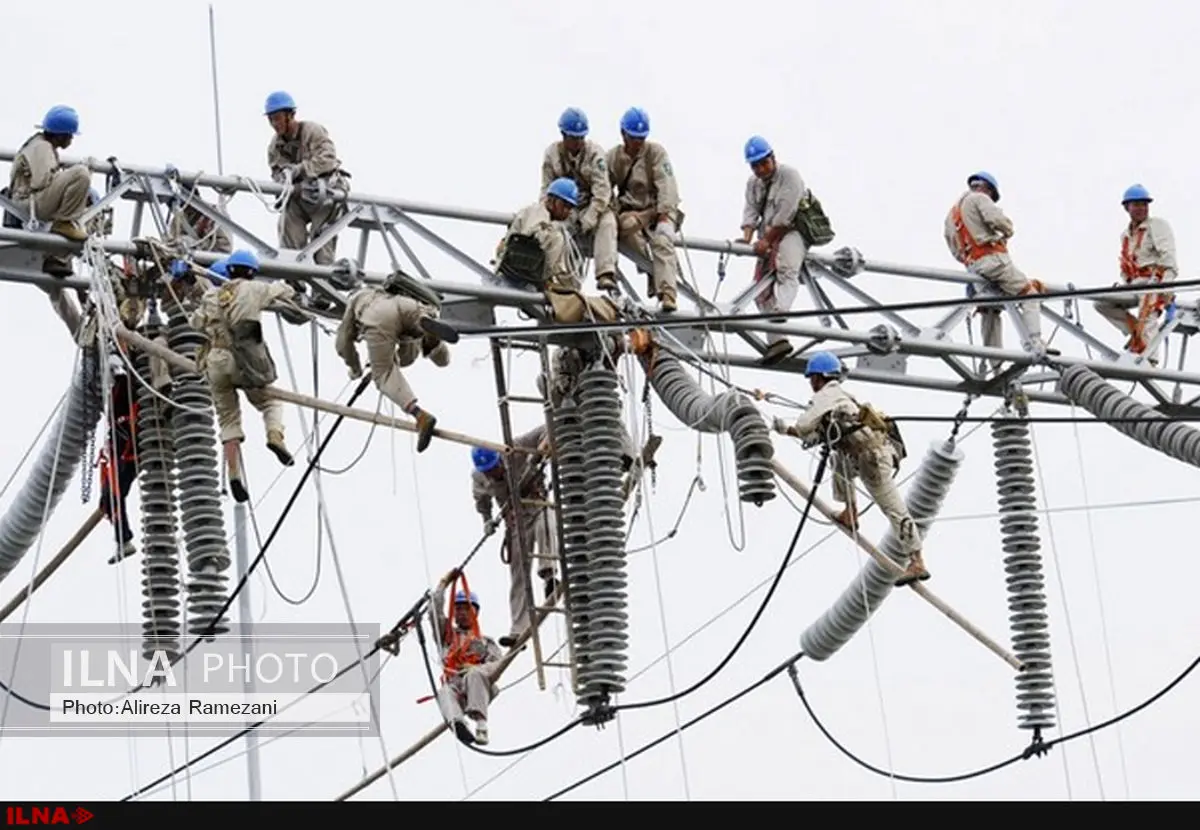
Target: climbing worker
{"x": 773, "y": 196}
{"x": 118, "y": 459}
{"x": 235, "y": 356}
{"x": 470, "y": 661}
{"x": 865, "y": 444}
{"x": 392, "y": 325}
{"x": 1147, "y": 258}
{"x": 50, "y": 192}
{"x": 977, "y": 233}
{"x": 577, "y": 158}
{"x": 489, "y": 482}
{"x": 648, "y": 215}
{"x": 303, "y": 155}
{"x": 197, "y": 232}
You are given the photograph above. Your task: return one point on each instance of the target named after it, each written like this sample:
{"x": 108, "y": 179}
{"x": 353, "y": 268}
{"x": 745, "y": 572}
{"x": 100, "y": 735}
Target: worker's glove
{"x": 665, "y": 229}
{"x": 490, "y": 525}
{"x": 180, "y": 269}
{"x": 780, "y": 426}
{"x": 356, "y": 372}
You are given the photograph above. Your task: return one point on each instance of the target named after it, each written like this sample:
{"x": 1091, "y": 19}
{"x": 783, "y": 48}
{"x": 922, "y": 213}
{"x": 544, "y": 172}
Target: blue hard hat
{"x": 279, "y": 101}
{"x": 573, "y": 122}
{"x": 244, "y": 258}
{"x": 218, "y": 267}
{"x": 564, "y": 189}
{"x": 60, "y": 120}
{"x": 1136, "y": 193}
{"x": 984, "y": 176}
{"x": 823, "y": 363}
{"x": 484, "y": 459}
{"x": 757, "y": 149}
{"x": 635, "y": 123}
{"x": 460, "y": 599}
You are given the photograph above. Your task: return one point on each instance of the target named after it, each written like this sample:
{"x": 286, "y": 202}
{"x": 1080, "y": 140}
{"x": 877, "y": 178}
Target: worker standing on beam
{"x": 470, "y": 661}
{"x": 235, "y": 356}
{"x": 1147, "y": 258}
{"x": 647, "y": 207}
{"x": 303, "y": 154}
{"x": 539, "y": 526}
{"x": 50, "y": 192}
{"x": 773, "y": 196}
{"x": 977, "y": 233}
{"x": 394, "y": 328}
{"x": 866, "y": 445}
{"x": 582, "y": 161}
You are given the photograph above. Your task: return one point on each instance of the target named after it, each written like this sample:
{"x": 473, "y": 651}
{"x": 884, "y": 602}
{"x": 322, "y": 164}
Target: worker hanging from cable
{"x": 788, "y": 220}
{"x": 118, "y": 460}
{"x": 302, "y": 154}
{"x": 647, "y": 208}
{"x": 470, "y": 661}
{"x": 1147, "y": 257}
{"x": 235, "y": 357}
{"x": 592, "y": 222}
{"x": 51, "y": 193}
{"x": 977, "y": 233}
{"x": 866, "y": 444}
{"x": 539, "y": 526}
{"x": 397, "y": 329}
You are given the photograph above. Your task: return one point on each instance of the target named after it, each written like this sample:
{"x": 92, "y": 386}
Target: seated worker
{"x": 866, "y": 445}
{"x": 469, "y": 661}
{"x": 537, "y": 253}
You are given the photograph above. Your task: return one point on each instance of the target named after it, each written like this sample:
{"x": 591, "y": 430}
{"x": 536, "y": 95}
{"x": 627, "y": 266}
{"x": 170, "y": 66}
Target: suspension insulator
{"x": 874, "y": 582}
{"x": 1023, "y": 564}
{"x": 731, "y": 412}
{"x": 198, "y": 470}
{"x": 160, "y": 552}
{"x": 603, "y": 583}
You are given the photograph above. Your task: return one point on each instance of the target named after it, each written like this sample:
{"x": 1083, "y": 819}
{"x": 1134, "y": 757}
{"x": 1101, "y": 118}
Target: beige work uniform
{"x": 594, "y": 215}
{"x": 769, "y": 204}
{"x": 646, "y": 189}
{"x": 39, "y": 182}
{"x": 390, "y": 326}
{"x": 1147, "y": 257}
{"x": 313, "y": 152}
{"x": 245, "y": 301}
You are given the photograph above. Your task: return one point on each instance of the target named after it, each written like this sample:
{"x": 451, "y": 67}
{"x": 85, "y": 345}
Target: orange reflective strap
{"x": 459, "y": 645}
{"x": 971, "y": 249}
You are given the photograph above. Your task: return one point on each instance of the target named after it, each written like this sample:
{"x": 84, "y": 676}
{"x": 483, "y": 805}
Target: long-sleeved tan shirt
{"x": 831, "y": 398}
{"x": 1148, "y": 250}
{"x": 373, "y": 309}
{"x": 982, "y": 219}
{"x": 33, "y": 168}
{"x": 773, "y": 203}
{"x": 589, "y": 170}
{"x": 236, "y": 301}
{"x": 644, "y": 182}
{"x": 534, "y": 220}
{"x": 311, "y": 151}
{"x": 485, "y": 490}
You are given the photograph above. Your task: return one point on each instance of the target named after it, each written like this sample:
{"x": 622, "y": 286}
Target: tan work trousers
{"x": 65, "y": 198}
{"x": 632, "y": 228}
{"x": 789, "y": 259}
{"x": 222, "y": 372}
{"x": 999, "y": 270}
{"x": 295, "y": 220}
{"x": 387, "y": 355}
{"x": 540, "y": 545}
{"x": 1123, "y": 313}
{"x": 468, "y": 692}
{"x": 875, "y": 465}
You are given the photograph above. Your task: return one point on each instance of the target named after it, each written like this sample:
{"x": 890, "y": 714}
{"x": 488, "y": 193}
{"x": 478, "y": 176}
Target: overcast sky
{"x": 885, "y": 108}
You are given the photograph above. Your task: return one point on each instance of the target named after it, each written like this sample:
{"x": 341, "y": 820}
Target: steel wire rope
{"x": 33, "y": 445}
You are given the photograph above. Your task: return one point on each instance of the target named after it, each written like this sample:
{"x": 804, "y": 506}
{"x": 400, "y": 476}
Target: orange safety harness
{"x": 458, "y": 645}
{"x": 126, "y": 453}
{"x": 971, "y": 249}
{"x": 1148, "y": 304}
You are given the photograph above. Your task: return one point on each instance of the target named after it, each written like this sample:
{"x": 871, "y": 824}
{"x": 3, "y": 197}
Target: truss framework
{"x": 877, "y": 354}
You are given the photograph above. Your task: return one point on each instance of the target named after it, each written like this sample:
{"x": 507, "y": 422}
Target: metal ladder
{"x": 516, "y": 536}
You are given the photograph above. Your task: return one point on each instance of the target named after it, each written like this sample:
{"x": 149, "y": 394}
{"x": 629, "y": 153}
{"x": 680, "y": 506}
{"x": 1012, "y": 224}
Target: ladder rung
{"x": 521, "y": 344}
{"x": 522, "y": 399}
{"x": 546, "y": 609}
{"x": 557, "y": 666}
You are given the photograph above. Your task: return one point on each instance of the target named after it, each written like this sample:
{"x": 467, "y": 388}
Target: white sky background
{"x": 884, "y": 108}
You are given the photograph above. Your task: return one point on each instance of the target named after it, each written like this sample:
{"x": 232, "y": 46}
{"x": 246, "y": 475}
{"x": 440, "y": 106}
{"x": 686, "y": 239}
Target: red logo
{"x": 46, "y": 815}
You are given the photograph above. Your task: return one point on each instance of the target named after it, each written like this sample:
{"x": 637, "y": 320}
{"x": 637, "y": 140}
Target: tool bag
{"x": 256, "y": 368}
{"x": 812, "y": 222}
{"x": 871, "y": 418}
{"x": 523, "y": 261}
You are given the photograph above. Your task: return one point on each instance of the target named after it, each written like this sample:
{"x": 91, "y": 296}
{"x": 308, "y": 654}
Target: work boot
{"x": 606, "y": 282}
{"x": 127, "y": 550}
{"x": 549, "y": 585}
{"x": 425, "y": 425}
{"x": 915, "y": 571}
{"x": 69, "y": 230}
{"x": 847, "y": 519}
{"x": 776, "y": 352}
{"x": 57, "y": 266}
{"x": 276, "y": 445}
{"x": 668, "y": 303}
{"x": 463, "y": 732}
{"x": 481, "y": 732}
{"x": 238, "y": 490}
{"x": 439, "y": 329}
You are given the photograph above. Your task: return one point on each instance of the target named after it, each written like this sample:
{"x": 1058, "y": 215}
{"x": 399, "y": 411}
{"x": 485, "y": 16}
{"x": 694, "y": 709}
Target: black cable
{"x": 667, "y": 736}
{"x": 1045, "y": 419}
{"x": 211, "y": 627}
{"x": 1037, "y": 747}
{"x": 761, "y": 608}
{"x": 680, "y": 321}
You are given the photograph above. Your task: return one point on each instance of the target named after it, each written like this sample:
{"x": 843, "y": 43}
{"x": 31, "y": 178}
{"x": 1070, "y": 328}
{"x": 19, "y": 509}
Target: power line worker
{"x": 470, "y": 661}
{"x": 235, "y": 357}
{"x": 392, "y": 326}
{"x": 647, "y": 206}
{"x": 774, "y": 192}
{"x": 303, "y": 153}
{"x": 1147, "y": 257}
{"x": 866, "y": 445}
{"x": 489, "y": 482}
{"x": 535, "y": 252}
{"x": 197, "y": 232}
{"x": 118, "y": 460}
{"x": 977, "y": 233}
{"x": 48, "y": 191}
{"x": 101, "y": 223}
{"x": 582, "y": 161}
